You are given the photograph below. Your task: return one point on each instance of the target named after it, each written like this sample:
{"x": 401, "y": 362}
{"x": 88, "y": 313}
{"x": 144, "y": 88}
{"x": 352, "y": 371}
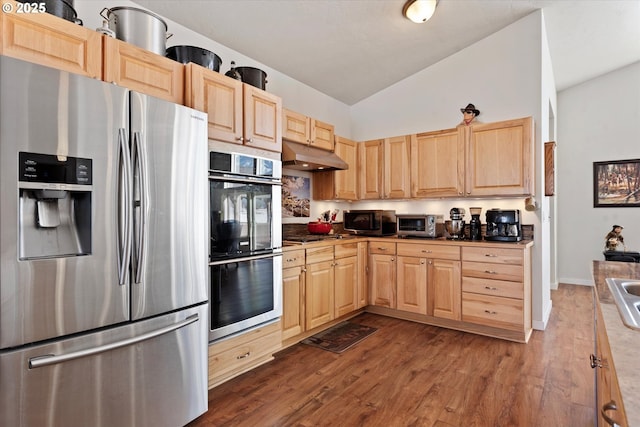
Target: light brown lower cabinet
{"x": 496, "y": 289}
{"x": 233, "y": 356}
{"x": 382, "y": 274}
{"x": 320, "y": 285}
{"x": 293, "y": 293}
{"x": 319, "y": 296}
{"x": 608, "y": 397}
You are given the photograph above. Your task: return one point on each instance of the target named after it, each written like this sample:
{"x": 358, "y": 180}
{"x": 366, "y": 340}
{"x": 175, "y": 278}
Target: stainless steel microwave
{"x": 420, "y": 225}
{"x": 370, "y": 222}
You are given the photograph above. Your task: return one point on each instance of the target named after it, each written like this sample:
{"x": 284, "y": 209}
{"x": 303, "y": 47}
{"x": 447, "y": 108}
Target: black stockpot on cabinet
{"x": 253, "y": 76}
{"x": 197, "y": 55}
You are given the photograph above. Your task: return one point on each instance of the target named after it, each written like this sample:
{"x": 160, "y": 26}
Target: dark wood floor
{"x": 408, "y": 374}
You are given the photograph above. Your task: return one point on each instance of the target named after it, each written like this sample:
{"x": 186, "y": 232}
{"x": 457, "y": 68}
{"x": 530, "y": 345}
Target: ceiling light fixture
{"x": 419, "y": 11}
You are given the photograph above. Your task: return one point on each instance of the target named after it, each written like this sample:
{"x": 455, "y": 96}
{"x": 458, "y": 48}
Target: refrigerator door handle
{"x": 140, "y": 160}
{"x": 52, "y": 359}
{"x": 124, "y": 207}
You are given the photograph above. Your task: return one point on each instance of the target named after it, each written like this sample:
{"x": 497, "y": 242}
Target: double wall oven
{"x": 245, "y": 264}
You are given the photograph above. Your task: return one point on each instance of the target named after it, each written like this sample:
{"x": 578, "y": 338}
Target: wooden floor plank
{"x": 409, "y": 374}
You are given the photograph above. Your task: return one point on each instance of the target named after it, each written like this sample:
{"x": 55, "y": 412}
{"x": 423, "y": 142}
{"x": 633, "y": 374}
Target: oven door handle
{"x": 247, "y": 180}
{"x": 247, "y": 258}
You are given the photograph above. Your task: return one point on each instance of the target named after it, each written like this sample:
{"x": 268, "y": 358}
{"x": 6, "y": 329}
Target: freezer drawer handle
{"x": 52, "y": 359}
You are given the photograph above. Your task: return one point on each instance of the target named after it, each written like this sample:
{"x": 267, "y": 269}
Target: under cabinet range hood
{"x": 306, "y": 158}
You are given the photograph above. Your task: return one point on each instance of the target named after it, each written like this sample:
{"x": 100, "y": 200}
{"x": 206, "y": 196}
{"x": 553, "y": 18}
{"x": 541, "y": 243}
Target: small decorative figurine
{"x": 614, "y": 238}
{"x": 469, "y": 114}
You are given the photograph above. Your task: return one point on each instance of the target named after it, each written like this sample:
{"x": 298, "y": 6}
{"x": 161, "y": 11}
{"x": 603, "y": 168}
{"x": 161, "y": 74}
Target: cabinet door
{"x": 500, "y": 158}
{"x": 370, "y": 169}
{"x": 412, "y": 284}
{"x": 292, "y": 302}
{"x": 382, "y": 290}
{"x": 437, "y": 164}
{"x": 322, "y": 135}
{"x": 218, "y": 96}
{"x": 607, "y": 387}
{"x": 319, "y": 296}
{"x": 339, "y": 184}
{"x": 397, "y": 168}
{"x": 444, "y": 289}
{"x": 295, "y": 127}
{"x": 143, "y": 71}
{"x": 48, "y": 40}
{"x": 346, "y": 285}
{"x": 346, "y": 181}
{"x": 262, "y": 119}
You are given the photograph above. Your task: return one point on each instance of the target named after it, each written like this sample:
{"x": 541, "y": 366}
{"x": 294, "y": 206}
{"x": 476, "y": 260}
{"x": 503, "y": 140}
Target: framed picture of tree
{"x": 616, "y": 184}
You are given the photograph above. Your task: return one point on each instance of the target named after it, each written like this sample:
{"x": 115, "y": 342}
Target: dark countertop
{"x": 440, "y": 240}
{"x": 624, "y": 341}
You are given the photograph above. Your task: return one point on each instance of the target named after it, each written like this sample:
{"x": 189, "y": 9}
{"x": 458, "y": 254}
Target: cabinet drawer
{"x": 500, "y": 288}
{"x": 485, "y": 270}
{"x": 346, "y": 250}
{"x": 293, "y": 258}
{"x": 386, "y": 248}
{"x": 506, "y": 313}
{"x": 320, "y": 254}
{"x": 429, "y": 251}
{"x": 493, "y": 255}
{"x": 240, "y": 353}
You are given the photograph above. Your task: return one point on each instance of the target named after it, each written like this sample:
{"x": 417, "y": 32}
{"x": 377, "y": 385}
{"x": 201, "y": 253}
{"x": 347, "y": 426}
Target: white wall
{"x": 506, "y": 75}
{"x": 295, "y": 95}
{"x": 600, "y": 122}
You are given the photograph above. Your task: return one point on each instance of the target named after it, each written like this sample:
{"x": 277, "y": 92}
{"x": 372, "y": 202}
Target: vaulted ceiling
{"x": 351, "y": 49}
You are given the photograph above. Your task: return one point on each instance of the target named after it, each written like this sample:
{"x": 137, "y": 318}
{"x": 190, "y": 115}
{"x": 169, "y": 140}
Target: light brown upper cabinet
{"x": 437, "y": 164}
{"x": 397, "y": 168}
{"x": 499, "y": 158}
{"x": 299, "y": 128}
{"x": 237, "y": 112}
{"x": 486, "y": 159}
{"x": 51, "y": 41}
{"x": 370, "y": 154}
{"x": 143, "y": 71}
{"x": 339, "y": 184}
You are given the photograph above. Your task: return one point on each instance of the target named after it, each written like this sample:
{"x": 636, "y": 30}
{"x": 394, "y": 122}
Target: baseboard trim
{"x": 575, "y": 281}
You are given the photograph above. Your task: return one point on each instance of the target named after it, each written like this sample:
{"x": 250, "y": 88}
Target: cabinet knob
{"x": 490, "y": 255}
{"x": 490, "y": 288}
{"x": 239, "y": 138}
{"x": 491, "y": 272}
{"x": 426, "y": 251}
{"x": 243, "y": 356}
{"x": 491, "y": 312}
{"x": 249, "y": 140}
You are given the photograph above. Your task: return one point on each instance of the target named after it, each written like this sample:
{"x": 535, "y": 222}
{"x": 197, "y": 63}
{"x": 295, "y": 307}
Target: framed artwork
{"x": 616, "y": 184}
{"x": 296, "y": 196}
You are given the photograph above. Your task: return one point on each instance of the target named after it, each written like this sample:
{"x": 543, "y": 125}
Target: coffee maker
{"x": 503, "y": 225}
{"x": 455, "y": 226}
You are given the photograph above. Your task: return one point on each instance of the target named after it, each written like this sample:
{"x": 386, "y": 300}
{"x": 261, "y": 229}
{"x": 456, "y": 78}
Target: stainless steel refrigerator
{"x": 103, "y": 254}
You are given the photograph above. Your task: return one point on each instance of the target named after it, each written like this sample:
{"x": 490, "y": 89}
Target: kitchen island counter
{"x": 624, "y": 341}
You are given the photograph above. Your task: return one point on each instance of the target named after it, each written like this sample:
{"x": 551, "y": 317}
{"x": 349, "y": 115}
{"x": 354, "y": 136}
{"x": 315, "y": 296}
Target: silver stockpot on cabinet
{"x": 139, "y": 27}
